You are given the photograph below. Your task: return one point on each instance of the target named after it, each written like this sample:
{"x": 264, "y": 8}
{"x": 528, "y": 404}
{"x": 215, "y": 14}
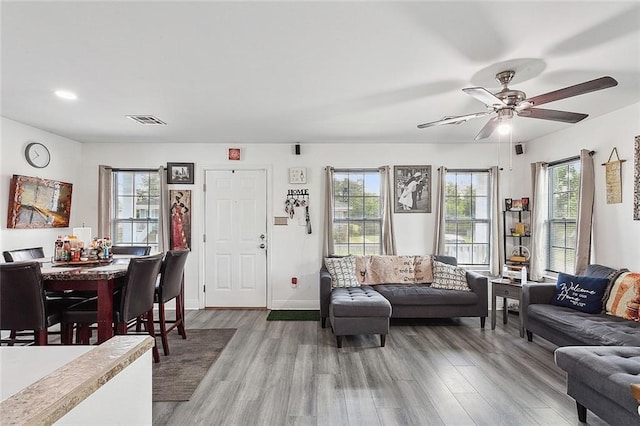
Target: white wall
{"x": 64, "y": 166}
{"x": 616, "y": 240}
{"x": 292, "y": 252}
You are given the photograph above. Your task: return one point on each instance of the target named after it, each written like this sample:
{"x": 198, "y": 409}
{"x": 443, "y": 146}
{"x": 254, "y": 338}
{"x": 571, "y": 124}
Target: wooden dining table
{"x": 101, "y": 279}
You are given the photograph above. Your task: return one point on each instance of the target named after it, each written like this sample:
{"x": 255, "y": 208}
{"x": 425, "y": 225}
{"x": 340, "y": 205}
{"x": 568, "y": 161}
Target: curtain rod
{"x": 115, "y": 169}
{"x": 566, "y": 160}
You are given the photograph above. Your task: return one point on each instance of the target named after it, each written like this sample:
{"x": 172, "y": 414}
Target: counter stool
{"x": 359, "y": 310}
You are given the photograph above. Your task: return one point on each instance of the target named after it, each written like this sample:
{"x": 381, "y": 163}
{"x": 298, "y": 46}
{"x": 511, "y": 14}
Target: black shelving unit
{"x": 511, "y": 241}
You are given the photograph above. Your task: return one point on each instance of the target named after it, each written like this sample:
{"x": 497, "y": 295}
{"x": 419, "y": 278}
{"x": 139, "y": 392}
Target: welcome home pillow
{"x": 342, "y": 271}
{"x": 449, "y": 277}
{"x": 624, "y": 297}
{"x": 581, "y": 293}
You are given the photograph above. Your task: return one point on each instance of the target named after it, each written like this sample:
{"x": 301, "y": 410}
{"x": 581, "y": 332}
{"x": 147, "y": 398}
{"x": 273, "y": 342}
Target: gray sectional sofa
{"x": 568, "y": 327}
{"x": 599, "y": 352}
{"x": 421, "y": 300}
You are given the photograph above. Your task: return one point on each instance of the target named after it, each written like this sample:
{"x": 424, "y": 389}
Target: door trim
{"x": 268, "y": 169}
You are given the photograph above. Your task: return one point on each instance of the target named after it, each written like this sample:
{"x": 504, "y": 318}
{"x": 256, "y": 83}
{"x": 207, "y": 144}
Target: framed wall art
{"x": 636, "y": 180}
{"x": 412, "y": 186}
{"x": 38, "y": 203}
{"x": 180, "y": 237}
{"x": 180, "y": 173}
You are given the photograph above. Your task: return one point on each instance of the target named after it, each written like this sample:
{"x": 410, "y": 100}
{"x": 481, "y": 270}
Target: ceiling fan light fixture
{"x": 505, "y": 127}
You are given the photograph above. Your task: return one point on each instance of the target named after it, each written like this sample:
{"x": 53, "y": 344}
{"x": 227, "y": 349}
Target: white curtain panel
{"x": 438, "y": 241}
{"x": 105, "y": 179}
{"x": 497, "y": 247}
{"x": 163, "y": 219}
{"x": 328, "y": 248}
{"x": 539, "y": 206}
{"x": 388, "y": 236}
{"x": 585, "y": 211}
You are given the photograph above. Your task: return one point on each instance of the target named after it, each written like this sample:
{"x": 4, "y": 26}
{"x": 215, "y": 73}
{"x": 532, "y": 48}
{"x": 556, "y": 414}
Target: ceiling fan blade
{"x": 484, "y": 96}
{"x": 578, "y": 89}
{"x": 455, "y": 119}
{"x": 551, "y": 114}
{"x": 488, "y": 128}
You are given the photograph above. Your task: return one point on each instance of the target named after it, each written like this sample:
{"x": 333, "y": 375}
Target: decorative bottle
{"x": 57, "y": 249}
{"x": 523, "y": 275}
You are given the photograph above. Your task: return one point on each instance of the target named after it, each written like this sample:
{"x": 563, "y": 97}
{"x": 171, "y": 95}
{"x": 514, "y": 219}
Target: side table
{"x": 507, "y": 290}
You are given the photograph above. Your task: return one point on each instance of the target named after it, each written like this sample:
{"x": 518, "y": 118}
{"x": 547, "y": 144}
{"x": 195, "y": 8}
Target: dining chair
{"x": 23, "y": 305}
{"x": 171, "y": 286}
{"x": 135, "y": 300}
{"x": 134, "y": 250}
{"x": 23, "y": 254}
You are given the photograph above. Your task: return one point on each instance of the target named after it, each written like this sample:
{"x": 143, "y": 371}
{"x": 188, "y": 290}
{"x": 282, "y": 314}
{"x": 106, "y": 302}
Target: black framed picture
{"x": 412, "y": 186}
{"x": 180, "y": 173}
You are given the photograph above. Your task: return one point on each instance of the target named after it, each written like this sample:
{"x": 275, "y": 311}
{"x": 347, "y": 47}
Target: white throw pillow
{"x": 449, "y": 277}
{"x": 342, "y": 271}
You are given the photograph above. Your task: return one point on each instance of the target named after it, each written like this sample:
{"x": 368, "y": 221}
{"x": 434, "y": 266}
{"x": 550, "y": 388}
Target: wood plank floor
{"x": 430, "y": 372}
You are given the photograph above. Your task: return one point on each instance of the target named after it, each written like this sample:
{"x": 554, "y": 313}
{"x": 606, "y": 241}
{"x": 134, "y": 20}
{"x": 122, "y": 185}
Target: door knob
{"x": 262, "y": 245}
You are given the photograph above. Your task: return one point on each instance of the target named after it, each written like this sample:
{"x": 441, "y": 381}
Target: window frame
{"x": 364, "y": 220}
{"x": 575, "y": 161}
{"x": 472, "y": 220}
{"x": 147, "y": 221}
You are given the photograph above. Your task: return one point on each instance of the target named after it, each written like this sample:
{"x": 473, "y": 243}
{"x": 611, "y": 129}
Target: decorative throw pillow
{"x": 380, "y": 269}
{"x": 449, "y": 277}
{"x": 342, "y": 271}
{"x": 581, "y": 293}
{"x": 624, "y": 297}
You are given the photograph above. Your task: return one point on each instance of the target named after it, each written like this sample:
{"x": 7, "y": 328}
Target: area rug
{"x": 287, "y": 315}
{"x": 177, "y": 375}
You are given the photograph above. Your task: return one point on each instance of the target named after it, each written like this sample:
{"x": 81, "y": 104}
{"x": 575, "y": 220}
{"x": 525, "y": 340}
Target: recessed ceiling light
{"x": 65, "y": 94}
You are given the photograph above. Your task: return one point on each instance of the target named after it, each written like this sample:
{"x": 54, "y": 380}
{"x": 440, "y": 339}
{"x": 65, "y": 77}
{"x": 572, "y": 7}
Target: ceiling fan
{"x": 508, "y": 102}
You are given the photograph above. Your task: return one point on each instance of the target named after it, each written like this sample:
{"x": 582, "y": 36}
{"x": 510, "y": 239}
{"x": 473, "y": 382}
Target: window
{"x": 467, "y": 216}
{"x": 564, "y": 186}
{"x": 136, "y": 208}
{"x": 357, "y": 216}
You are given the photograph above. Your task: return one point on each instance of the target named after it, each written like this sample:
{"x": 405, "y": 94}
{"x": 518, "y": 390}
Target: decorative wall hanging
{"x": 297, "y": 175}
{"x": 297, "y": 203}
{"x": 180, "y": 219}
{"x": 613, "y": 176}
{"x": 636, "y": 180}
{"x": 38, "y": 203}
{"x": 412, "y": 186}
{"x": 180, "y": 173}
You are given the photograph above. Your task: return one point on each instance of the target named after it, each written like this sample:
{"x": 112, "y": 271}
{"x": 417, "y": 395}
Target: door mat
{"x": 287, "y": 315}
{"x": 178, "y": 375}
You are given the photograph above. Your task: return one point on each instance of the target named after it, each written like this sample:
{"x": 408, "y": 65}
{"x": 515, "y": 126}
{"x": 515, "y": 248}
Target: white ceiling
{"x": 283, "y": 72}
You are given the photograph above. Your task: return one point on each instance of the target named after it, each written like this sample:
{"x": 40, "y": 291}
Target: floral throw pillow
{"x": 449, "y": 277}
{"x": 342, "y": 271}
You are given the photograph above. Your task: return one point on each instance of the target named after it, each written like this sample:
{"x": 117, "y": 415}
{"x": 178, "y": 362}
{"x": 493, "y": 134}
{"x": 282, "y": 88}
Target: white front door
{"x": 235, "y": 238}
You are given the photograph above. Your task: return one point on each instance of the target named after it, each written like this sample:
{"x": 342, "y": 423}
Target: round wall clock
{"x": 37, "y": 155}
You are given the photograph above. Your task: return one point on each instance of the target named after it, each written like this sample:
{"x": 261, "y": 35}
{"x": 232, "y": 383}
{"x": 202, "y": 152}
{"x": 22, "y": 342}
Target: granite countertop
{"x": 53, "y": 396}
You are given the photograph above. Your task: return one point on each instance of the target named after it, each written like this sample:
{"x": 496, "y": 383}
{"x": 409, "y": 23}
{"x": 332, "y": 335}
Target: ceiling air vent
{"x": 147, "y": 120}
